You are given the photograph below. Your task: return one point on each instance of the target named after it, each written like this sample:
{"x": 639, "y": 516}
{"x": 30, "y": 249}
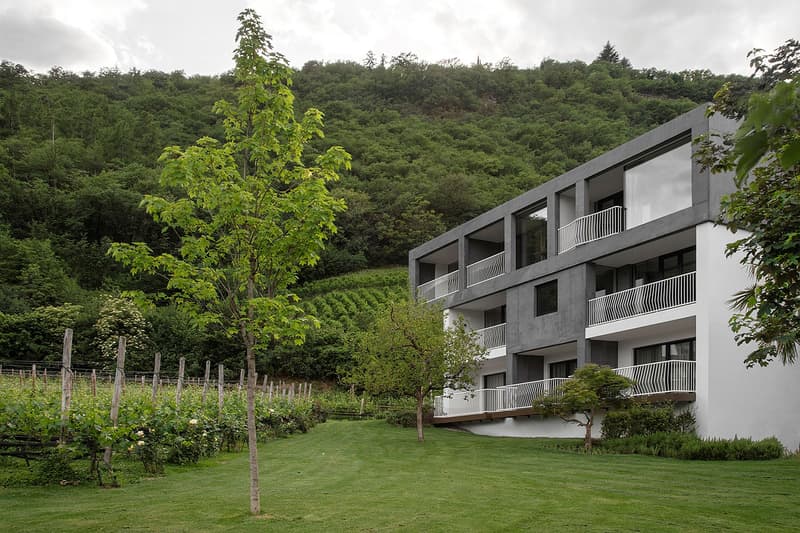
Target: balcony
{"x": 591, "y": 228}
{"x": 507, "y": 398}
{"x": 655, "y": 382}
{"x": 438, "y": 288}
{"x": 648, "y": 298}
{"x": 492, "y": 337}
{"x": 485, "y": 269}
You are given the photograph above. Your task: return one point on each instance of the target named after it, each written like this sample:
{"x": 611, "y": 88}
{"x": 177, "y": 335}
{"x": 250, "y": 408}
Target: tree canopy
{"x": 407, "y": 353}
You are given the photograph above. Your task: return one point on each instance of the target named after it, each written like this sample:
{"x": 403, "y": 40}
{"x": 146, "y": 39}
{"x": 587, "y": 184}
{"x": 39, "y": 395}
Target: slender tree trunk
{"x": 587, "y": 437}
{"x": 252, "y": 443}
{"x": 420, "y": 400}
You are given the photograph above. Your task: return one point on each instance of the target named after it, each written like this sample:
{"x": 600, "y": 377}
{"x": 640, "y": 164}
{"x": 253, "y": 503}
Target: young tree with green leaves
{"x": 408, "y": 352}
{"x": 250, "y": 213}
{"x": 764, "y": 153}
{"x": 592, "y": 390}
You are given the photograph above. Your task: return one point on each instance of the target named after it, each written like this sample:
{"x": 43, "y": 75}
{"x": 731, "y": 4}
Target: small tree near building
{"x": 407, "y": 352}
{"x": 592, "y": 390}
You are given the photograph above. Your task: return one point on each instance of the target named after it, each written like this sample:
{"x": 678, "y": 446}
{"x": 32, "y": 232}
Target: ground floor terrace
{"x": 663, "y": 381}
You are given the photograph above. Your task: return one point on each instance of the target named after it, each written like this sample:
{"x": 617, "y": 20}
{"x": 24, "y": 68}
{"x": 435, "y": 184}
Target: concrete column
{"x": 552, "y": 225}
{"x": 462, "y": 262}
{"x": 582, "y": 207}
{"x": 510, "y": 242}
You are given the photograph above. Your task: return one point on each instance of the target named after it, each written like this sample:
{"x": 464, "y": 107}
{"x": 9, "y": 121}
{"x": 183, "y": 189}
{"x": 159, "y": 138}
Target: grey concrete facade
{"x": 573, "y": 270}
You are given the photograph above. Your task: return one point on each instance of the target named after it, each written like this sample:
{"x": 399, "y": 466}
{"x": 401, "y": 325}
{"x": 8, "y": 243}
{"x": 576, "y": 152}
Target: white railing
{"x": 508, "y": 397}
{"x": 650, "y": 378}
{"x": 523, "y": 394}
{"x": 648, "y": 298}
{"x": 591, "y": 228}
{"x": 439, "y": 287}
{"x": 488, "y": 268}
{"x": 663, "y": 376}
{"x": 493, "y": 336}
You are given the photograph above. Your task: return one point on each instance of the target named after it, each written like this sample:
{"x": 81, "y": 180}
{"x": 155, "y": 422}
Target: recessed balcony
{"x": 486, "y": 269}
{"x": 648, "y": 298}
{"x": 492, "y": 337}
{"x": 672, "y": 380}
{"x": 590, "y": 228}
{"x": 438, "y": 288}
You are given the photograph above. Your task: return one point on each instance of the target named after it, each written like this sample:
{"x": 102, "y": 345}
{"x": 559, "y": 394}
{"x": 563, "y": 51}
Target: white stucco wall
{"x": 731, "y": 399}
{"x": 534, "y": 426}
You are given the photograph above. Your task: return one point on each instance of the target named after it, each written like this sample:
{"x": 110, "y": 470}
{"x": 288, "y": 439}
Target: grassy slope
{"x": 369, "y": 476}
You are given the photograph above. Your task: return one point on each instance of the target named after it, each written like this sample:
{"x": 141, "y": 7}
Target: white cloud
{"x": 198, "y": 36}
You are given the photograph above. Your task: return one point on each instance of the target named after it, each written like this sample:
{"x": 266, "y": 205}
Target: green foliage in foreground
{"x": 357, "y": 476}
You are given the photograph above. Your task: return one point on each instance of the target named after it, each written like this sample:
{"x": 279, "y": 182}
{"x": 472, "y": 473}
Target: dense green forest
{"x": 432, "y": 144}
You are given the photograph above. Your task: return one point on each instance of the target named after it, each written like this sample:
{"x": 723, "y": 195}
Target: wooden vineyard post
{"x": 179, "y": 387}
{"x": 66, "y": 381}
{"x": 119, "y": 377}
{"x": 270, "y": 392}
{"x": 44, "y": 380}
{"x": 308, "y": 392}
{"x": 33, "y": 377}
{"x": 241, "y": 379}
{"x": 156, "y": 377}
{"x": 361, "y": 411}
{"x": 220, "y": 390}
{"x": 143, "y": 385}
{"x": 205, "y": 380}
{"x": 94, "y": 383}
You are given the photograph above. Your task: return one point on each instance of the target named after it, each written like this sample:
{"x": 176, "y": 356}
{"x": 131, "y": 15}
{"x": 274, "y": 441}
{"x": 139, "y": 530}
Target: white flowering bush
{"x": 120, "y": 317}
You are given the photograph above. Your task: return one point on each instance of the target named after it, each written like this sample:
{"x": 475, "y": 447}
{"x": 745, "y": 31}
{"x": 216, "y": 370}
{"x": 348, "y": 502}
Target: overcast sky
{"x": 198, "y": 36}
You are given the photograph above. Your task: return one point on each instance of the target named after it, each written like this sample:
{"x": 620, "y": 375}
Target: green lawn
{"x": 356, "y": 476}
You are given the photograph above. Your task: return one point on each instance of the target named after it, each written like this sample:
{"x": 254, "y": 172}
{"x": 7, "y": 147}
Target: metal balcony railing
{"x": 591, "y": 228}
{"x": 439, "y": 287}
{"x": 493, "y": 336}
{"x": 517, "y": 396}
{"x": 648, "y": 298}
{"x": 660, "y": 377}
{"x": 488, "y": 268}
{"x": 651, "y": 378}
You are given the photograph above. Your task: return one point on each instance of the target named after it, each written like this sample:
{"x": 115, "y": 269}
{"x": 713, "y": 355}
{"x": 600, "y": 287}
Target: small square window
{"x": 547, "y": 298}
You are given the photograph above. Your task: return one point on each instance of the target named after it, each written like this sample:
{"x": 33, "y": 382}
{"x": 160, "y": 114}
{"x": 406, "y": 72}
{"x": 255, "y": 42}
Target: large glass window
{"x": 563, "y": 369}
{"x": 492, "y": 381}
{"x": 547, "y": 298}
{"x": 683, "y": 350}
{"x": 532, "y": 235}
{"x": 659, "y": 186}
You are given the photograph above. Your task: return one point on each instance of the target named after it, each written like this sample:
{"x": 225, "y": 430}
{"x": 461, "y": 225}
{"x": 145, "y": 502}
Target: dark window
{"x": 609, "y": 202}
{"x": 493, "y": 317}
{"x": 683, "y": 350}
{"x": 532, "y": 235}
{"x": 563, "y": 369}
{"x": 547, "y": 298}
{"x": 492, "y": 381}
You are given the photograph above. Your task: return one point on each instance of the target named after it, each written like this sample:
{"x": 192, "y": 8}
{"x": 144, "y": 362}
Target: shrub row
{"x": 646, "y": 420}
{"x": 688, "y": 446}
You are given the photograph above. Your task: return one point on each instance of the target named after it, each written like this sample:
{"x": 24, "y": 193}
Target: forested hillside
{"x": 432, "y": 145}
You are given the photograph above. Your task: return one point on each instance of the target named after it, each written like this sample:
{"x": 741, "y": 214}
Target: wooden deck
{"x": 674, "y": 397}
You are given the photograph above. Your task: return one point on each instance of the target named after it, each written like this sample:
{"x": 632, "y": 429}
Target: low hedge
{"x": 646, "y": 420}
{"x": 692, "y": 447}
